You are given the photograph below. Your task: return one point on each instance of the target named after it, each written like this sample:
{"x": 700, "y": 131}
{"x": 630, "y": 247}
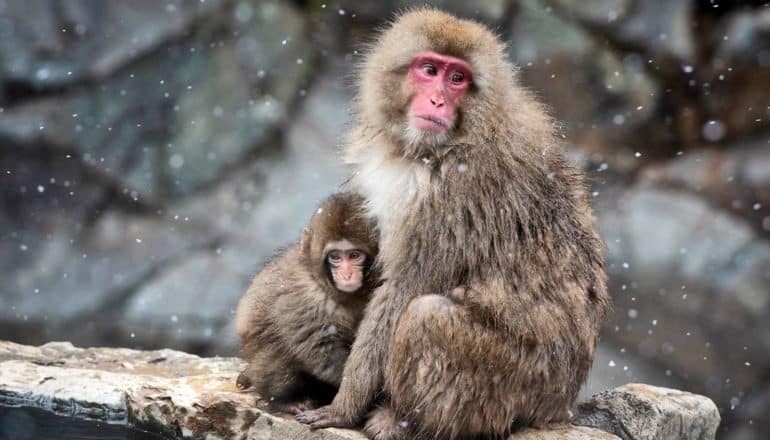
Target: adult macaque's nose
{"x": 437, "y": 100}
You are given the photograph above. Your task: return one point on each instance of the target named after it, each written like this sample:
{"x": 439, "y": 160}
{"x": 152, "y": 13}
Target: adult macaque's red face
{"x": 441, "y": 81}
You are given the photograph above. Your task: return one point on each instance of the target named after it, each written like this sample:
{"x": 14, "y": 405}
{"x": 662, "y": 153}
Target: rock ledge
{"x": 180, "y": 395}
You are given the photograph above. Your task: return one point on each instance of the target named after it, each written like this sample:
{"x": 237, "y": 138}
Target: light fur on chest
{"x": 391, "y": 186}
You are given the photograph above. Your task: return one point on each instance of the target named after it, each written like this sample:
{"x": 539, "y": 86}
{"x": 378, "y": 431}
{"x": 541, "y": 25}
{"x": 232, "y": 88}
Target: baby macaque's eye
{"x": 356, "y": 255}
{"x": 334, "y": 257}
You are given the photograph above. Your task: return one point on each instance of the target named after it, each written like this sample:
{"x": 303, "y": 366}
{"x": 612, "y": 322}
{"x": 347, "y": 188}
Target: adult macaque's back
{"x": 495, "y": 291}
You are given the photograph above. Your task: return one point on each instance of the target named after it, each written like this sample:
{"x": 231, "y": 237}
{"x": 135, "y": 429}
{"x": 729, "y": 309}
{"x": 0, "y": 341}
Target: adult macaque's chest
{"x": 392, "y": 188}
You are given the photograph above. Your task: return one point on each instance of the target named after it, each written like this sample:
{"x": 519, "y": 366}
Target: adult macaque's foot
{"x": 383, "y": 425}
{"x": 323, "y": 417}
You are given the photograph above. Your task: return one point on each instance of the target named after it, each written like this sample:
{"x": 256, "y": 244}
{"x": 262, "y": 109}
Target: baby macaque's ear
{"x": 304, "y": 242}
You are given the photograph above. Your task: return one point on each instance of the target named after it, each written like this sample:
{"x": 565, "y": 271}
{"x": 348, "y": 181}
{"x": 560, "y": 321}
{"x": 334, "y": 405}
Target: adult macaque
{"x": 495, "y": 291}
{"x": 298, "y": 318}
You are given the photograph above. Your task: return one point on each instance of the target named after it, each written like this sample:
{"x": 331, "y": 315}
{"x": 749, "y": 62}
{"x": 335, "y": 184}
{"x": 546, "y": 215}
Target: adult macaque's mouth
{"x": 434, "y": 120}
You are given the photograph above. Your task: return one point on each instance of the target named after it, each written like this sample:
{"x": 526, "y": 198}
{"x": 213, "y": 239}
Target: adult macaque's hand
{"x": 458, "y": 294}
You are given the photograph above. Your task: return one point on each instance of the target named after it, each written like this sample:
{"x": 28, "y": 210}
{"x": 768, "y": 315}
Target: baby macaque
{"x": 298, "y": 319}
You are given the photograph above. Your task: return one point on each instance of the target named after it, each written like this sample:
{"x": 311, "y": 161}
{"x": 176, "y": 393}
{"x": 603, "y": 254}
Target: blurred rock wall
{"x": 154, "y": 154}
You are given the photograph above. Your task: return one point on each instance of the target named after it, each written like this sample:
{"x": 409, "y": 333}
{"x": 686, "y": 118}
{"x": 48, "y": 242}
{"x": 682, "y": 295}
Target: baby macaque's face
{"x": 346, "y": 262}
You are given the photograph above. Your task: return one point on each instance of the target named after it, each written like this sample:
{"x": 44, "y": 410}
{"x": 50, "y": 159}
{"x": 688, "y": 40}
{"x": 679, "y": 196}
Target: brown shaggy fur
{"x": 495, "y": 290}
{"x": 296, "y": 328}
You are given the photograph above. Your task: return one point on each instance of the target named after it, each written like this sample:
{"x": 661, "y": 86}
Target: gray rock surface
{"x": 738, "y": 179}
{"x": 178, "y": 394}
{"x": 121, "y": 251}
{"x": 659, "y": 27}
{"x": 568, "y": 432}
{"x": 644, "y": 412}
{"x": 168, "y": 124}
{"x": 609, "y": 93}
{"x": 489, "y": 11}
{"x": 81, "y": 40}
{"x": 688, "y": 280}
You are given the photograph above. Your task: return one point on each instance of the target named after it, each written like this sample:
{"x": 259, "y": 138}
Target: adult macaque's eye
{"x": 457, "y": 77}
{"x": 429, "y": 69}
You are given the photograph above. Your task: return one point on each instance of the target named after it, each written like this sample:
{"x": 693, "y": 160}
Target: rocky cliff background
{"x": 154, "y": 153}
